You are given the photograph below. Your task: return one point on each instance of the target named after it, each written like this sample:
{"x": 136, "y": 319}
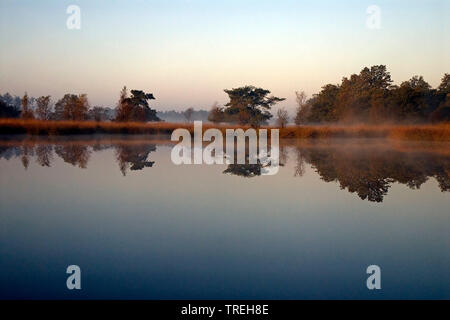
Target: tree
{"x": 98, "y": 114}
{"x": 414, "y": 100}
{"x": 417, "y": 82}
{"x": 72, "y": 107}
{"x": 282, "y": 117}
{"x": 81, "y": 109}
{"x": 135, "y": 107}
{"x": 354, "y": 99}
{"x": 303, "y": 108}
{"x": 43, "y": 107}
{"x": 444, "y": 87}
{"x": 323, "y": 105}
{"x": 442, "y": 113}
{"x": 8, "y": 99}
{"x": 123, "y": 109}
{"x": 27, "y": 112}
{"x": 216, "y": 114}
{"x": 377, "y": 77}
{"x": 141, "y": 110}
{"x": 249, "y": 105}
{"x": 8, "y": 111}
{"x": 188, "y": 114}
{"x": 10, "y": 106}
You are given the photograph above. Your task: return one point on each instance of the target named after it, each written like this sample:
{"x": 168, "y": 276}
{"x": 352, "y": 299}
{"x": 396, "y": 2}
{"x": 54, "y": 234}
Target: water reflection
{"x": 134, "y": 157}
{"x": 76, "y": 155}
{"x": 367, "y": 169}
{"x": 44, "y": 155}
{"x": 254, "y": 170}
{"x": 370, "y": 171}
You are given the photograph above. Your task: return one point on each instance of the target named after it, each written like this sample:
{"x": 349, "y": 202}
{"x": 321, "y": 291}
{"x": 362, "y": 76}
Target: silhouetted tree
{"x": 444, "y": 87}
{"x": 135, "y": 107}
{"x": 249, "y": 105}
{"x": 8, "y": 111}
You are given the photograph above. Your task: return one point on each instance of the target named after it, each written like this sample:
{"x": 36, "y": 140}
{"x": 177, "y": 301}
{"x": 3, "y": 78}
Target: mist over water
{"x": 141, "y": 227}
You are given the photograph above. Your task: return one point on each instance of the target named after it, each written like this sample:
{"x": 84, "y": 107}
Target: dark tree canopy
{"x": 136, "y": 107}
{"x": 249, "y": 105}
{"x": 8, "y": 111}
{"x": 370, "y": 97}
{"x": 444, "y": 87}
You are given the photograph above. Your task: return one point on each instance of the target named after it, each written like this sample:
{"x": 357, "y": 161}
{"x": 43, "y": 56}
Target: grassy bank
{"x": 403, "y": 132}
{"x": 54, "y": 128}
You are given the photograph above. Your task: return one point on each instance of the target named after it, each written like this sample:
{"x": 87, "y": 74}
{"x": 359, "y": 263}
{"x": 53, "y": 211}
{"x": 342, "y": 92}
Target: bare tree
{"x": 282, "y": 117}
{"x": 124, "y": 108}
{"x": 43, "y": 107}
{"x": 27, "y": 112}
{"x": 188, "y": 114}
{"x": 302, "y": 112}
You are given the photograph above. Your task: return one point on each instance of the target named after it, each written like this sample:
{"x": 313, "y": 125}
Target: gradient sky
{"x": 187, "y": 51}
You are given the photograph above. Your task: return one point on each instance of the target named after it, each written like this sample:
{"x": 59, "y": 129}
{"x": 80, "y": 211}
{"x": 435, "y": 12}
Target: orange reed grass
{"x": 439, "y": 132}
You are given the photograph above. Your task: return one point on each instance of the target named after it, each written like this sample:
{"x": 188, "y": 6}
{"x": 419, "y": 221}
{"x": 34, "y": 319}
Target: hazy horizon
{"x": 187, "y": 52}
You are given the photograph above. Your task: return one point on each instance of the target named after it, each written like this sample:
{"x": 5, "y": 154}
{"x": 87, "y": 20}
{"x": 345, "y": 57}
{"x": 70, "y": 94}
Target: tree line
{"x": 75, "y": 107}
{"x": 370, "y": 97}
{"x": 367, "y": 97}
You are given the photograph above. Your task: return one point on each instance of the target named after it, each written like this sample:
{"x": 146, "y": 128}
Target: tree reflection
{"x": 134, "y": 157}
{"x": 27, "y": 152}
{"x": 371, "y": 172}
{"x": 244, "y": 170}
{"x": 248, "y": 170}
{"x": 44, "y": 155}
{"x": 368, "y": 171}
{"x": 129, "y": 156}
{"x": 75, "y": 154}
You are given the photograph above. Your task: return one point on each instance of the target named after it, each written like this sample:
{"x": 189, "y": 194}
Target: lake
{"x": 140, "y": 227}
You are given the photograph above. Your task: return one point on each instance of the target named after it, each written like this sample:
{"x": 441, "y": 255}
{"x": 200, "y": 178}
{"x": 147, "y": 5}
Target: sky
{"x": 187, "y": 51}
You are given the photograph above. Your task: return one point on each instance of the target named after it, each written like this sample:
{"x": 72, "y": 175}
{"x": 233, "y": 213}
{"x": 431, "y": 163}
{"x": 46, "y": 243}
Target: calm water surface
{"x": 142, "y": 228}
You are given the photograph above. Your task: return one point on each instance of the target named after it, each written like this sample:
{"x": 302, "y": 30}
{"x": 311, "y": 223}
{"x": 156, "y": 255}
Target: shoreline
{"x": 422, "y": 132}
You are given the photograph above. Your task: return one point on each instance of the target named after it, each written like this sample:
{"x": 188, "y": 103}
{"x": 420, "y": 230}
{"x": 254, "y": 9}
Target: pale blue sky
{"x": 187, "y": 51}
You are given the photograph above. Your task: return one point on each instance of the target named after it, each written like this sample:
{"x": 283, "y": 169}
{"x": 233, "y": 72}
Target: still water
{"x": 141, "y": 227}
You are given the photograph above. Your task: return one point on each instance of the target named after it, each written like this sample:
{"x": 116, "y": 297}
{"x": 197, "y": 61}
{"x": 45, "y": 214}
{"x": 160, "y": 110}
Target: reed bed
{"x": 440, "y": 132}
